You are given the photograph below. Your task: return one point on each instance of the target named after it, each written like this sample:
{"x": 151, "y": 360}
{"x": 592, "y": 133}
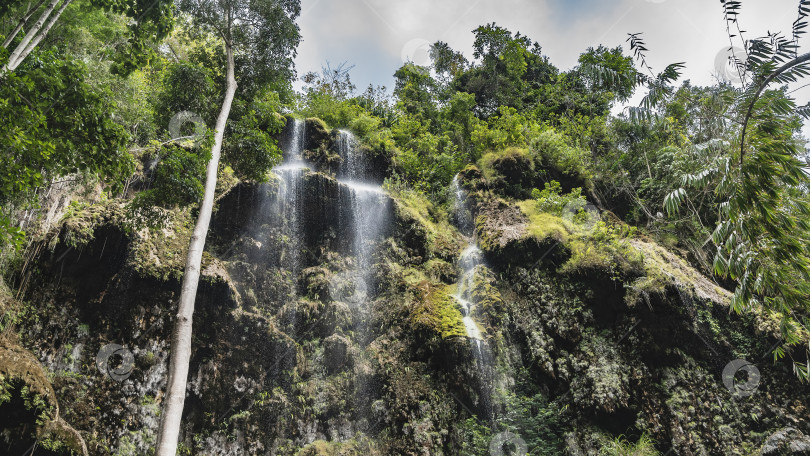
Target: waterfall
{"x": 290, "y": 197}
{"x": 462, "y": 214}
{"x": 352, "y": 167}
{"x": 469, "y": 263}
{"x": 369, "y": 209}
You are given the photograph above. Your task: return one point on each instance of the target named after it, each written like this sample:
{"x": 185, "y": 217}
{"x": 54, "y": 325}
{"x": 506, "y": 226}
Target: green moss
{"x": 21, "y": 374}
{"x": 316, "y": 123}
{"x": 484, "y": 292}
{"x": 511, "y": 164}
{"x": 413, "y": 276}
{"x": 358, "y": 446}
{"x": 543, "y": 225}
{"x": 433, "y": 224}
{"x": 663, "y": 268}
{"x": 439, "y": 270}
{"x": 24, "y": 382}
{"x": 62, "y": 439}
{"x": 81, "y": 220}
{"x": 605, "y": 249}
{"x": 436, "y": 311}
{"x": 161, "y": 253}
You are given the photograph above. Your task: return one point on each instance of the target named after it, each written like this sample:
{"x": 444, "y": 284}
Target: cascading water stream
{"x": 368, "y": 209}
{"x": 291, "y": 193}
{"x": 469, "y": 262}
{"x": 368, "y": 215}
{"x": 352, "y": 167}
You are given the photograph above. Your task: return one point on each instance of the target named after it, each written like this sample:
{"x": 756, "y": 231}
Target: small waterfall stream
{"x": 352, "y": 167}
{"x": 469, "y": 262}
{"x": 369, "y": 213}
{"x": 470, "y": 259}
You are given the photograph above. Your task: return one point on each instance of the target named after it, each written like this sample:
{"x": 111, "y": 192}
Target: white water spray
{"x": 369, "y": 208}
{"x": 470, "y": 263}
{"x": 470, "y": 259}
{"x": 291, "y": 194}
{"x": 352, "y": 168}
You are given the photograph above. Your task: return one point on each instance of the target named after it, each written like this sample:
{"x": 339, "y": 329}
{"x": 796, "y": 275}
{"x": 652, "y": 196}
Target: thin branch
{"x": 141, "y": 149}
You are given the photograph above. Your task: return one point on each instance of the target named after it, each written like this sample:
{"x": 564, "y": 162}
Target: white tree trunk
{"x": 34, "y": 42}
{"x": 15, "y": 55}
{"x": 21, "y": 24}
{"x": 169, "y": 431}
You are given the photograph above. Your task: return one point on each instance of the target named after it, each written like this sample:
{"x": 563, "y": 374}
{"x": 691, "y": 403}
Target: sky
{"x": 377, "y": 36}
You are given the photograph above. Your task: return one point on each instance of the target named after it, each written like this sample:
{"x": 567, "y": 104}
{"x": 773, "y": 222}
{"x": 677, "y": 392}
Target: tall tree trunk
{"x": 21, "y": 24}
{"x": 15, "y": 55}
{"x": 169, "y": 431}
{"x": 34, "y": 42}
{"x": 13, "y": 64}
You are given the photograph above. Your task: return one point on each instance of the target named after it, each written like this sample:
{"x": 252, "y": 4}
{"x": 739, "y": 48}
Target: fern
{"x": 763, "y": 235}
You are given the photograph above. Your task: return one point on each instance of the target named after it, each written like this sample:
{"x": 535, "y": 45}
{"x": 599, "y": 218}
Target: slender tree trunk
{"x": 12, "y": 65}
{"x": 169, "y": 431}
{"x": 15, "y": 55}
{"x": 41, "y": 34}
{"x": 21, "y": 24}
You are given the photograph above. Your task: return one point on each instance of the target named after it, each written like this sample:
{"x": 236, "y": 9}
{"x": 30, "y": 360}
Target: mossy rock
{"x": 507, "y": 236}
{"x": 472, "y": 179}
{"x": 29, "y": 408}
{"x": 336, "y": 353}
{"x": 359, "y": 446}
{"x": 315, "y": 283}
{"x": 511, "y": 172}
{"x": 316, "y": 134}
{"x": 423, "y": 230}
{"x": 439, "y": 270}
{"x": 59, "y": 438}
{"x": 322, "y": 155}
{"x": 485, "y": 294}
{"x": 435, "y": 313}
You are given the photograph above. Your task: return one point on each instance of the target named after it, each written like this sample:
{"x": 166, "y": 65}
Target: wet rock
{"x": 336, "y": 353}
{"x": 510, "y": 172}
{"x": 505, "y": 239}
{"x": 787, "y": 441}
{"x": 317, "y": 135}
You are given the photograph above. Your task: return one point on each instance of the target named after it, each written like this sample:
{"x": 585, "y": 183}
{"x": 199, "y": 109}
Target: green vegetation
{"x": 645, "y": 446}
{"x": 613, "y": 245}
{"x": 436, "y": 312}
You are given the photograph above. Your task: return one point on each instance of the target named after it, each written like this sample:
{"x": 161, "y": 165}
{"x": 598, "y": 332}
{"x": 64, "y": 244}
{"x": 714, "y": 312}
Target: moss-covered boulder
{"x": 510, "y": 172}
{"x": 29, "y": 407}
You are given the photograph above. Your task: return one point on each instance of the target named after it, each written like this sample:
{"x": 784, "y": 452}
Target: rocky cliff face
{"x": 326, "y": 324}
